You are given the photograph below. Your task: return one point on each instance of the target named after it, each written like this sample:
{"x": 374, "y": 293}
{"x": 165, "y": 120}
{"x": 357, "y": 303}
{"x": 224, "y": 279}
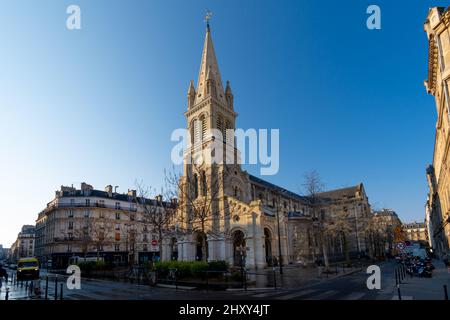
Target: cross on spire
{"x": 208, "y": 17}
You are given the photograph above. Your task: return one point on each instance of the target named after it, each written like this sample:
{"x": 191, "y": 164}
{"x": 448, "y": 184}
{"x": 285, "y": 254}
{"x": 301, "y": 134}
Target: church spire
{"x": 209, "y": 79}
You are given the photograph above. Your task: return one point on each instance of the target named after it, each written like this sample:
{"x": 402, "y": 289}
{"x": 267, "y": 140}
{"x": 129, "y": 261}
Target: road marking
{"x": 268, "y": 294}
{"x": 324, "y": 295}
{"x": 403, "y": 297}
{"x": 296, "y": 294}
{"x": 354, "y": 296}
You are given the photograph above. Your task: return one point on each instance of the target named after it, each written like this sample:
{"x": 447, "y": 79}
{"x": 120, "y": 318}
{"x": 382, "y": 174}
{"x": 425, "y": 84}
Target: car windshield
{"x": 28, "y": 264}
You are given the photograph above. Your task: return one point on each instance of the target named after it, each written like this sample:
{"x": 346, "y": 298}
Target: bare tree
{"x": 313, "y": 186}
{"x": 198, "y": 203}
{"x": 160, "y": 215}
{"x": 338, "y": 226}
{"x": 101, "y": 235}
{"x": 92, "y": 233}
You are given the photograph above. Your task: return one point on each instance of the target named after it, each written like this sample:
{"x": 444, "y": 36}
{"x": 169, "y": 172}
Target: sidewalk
{"x": 423, "y": 288}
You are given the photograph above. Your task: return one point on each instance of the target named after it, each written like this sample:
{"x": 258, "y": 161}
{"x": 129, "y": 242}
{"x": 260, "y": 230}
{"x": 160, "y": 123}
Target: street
{"x": 345, "y": 287}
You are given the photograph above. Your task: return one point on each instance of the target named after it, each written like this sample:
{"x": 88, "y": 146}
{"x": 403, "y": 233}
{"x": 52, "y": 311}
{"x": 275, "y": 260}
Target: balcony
{"x": 90, "y": 205}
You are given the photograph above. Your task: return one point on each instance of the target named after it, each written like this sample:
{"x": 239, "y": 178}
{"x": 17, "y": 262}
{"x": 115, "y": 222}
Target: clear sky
{"x": 99, "y": 104}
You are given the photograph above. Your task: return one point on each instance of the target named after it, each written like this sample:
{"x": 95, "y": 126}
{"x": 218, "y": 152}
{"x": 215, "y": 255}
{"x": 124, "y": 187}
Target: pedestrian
{"x": 3, "y": 273}
{"x": 445, "y": 259}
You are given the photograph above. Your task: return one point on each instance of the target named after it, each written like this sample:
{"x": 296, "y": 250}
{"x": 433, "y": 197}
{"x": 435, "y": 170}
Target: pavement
{"x": 416, "y": 288}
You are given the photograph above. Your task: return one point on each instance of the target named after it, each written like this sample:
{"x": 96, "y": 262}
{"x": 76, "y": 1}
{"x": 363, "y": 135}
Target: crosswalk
{"x": 305, "y": 294}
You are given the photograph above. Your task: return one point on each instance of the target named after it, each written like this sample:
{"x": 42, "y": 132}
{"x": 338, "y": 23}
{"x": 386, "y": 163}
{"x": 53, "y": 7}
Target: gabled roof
{"x": 331, "y": 195}
{"x": 337, "y": 194}
{"x": 281, "y": 190}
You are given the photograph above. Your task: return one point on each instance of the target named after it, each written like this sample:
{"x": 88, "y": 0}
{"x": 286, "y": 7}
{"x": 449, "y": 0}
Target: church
{"x": 229, "y": 214}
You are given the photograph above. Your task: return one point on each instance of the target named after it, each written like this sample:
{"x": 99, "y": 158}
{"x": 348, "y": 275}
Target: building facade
{"x": 25, "y": 243}
{"x": 249, "y": 216}
{"x": 93, "y": 223}
{"x": 437, "y": 28}
{"x": 416, "y": 231}
{"x": 385, "y": 222}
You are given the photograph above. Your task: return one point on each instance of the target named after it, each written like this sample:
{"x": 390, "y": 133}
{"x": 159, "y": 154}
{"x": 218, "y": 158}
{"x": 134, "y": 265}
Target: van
{"x": 27, "y": 268}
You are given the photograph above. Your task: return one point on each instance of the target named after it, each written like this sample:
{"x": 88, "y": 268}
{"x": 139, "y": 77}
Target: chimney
{"x": 158, "y": 198}
{"x": 109, "y": 189}
{"x": 132, "y": 193}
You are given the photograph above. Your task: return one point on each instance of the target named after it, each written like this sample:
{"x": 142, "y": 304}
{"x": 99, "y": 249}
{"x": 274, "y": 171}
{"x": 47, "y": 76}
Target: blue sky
{"x": 99, "y": 104}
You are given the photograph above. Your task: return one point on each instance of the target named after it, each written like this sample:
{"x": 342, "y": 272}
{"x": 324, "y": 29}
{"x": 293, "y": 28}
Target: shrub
{"x": 218, "y": 265}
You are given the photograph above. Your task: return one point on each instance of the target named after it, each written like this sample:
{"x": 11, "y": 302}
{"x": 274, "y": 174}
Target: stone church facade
{"x": 248, "y": 216}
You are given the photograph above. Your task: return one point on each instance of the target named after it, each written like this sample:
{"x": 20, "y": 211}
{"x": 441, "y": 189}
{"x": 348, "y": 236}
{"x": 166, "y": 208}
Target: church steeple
{"x": 191, "y": 94}
{"x": 209, "y": 79}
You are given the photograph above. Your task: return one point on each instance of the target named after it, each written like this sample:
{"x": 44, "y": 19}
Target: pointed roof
{"x": 191, "y": 88}
{"x": 209, "y": 70}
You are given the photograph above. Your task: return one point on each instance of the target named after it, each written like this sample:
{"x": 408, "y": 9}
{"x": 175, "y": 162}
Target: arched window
{"x": 219, "y": 124}
{"x": 227, "y": 127}
{"x": 204, "y": 185}
{"x": 197, "y": 137}
{"x": 195, "y": 182}
{"x": 203, "y": 124}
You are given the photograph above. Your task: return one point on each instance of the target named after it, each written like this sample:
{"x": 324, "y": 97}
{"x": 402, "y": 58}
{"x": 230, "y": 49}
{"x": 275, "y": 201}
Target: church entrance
{"x": 268, "y": 247}
{"x": 201, "y": 241}
{"x": 238, "y": 243}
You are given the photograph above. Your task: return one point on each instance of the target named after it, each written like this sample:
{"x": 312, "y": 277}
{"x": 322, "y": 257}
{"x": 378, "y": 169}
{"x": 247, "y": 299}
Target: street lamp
{"x": 243, "y": 252}
{"x": 280, "y": 257}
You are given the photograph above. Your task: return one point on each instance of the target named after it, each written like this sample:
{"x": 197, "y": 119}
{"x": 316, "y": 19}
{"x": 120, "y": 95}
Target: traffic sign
{"x": 154, "y": 242}
{"x": 400, "y": 246}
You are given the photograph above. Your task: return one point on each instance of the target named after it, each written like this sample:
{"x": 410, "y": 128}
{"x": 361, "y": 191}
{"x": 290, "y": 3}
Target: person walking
{"x": 445, "y": 260}
{"x": 3, "y": 274}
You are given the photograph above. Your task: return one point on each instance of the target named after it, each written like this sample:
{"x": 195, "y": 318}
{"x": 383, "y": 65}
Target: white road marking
{"x": 296, "y": 294}
{"x": 354, "y": 296}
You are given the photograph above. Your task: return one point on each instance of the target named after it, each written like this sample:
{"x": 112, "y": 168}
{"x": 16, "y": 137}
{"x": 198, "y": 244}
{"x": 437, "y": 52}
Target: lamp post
{"x": 243, "y": 252}
{"x": 356, "y": 230}
{"x": 280, "y": 257}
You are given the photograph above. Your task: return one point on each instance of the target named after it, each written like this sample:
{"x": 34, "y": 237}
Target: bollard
{"x": 274, "y": 278}
{"x": 176, "y": 280}
{"x": 56, "y": 288}
{"x": 399, "y": 293}
{"x": 46, "y": 287}
{"x": 445, "y": 292}
{"x": 399, "y": 276}
{"x": 396, "y": 277}
{"x": 7, "y": 294}
{"x": 60, "y": 291}
{"x": 245, "y": 281}
{"x": 26, "y": 286}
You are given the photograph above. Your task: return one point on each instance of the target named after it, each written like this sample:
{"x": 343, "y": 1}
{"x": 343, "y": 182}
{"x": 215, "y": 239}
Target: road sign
{"x": 408, "y": 243}
{"x": 154, "y": 242}
{"x": 400, "y": 246}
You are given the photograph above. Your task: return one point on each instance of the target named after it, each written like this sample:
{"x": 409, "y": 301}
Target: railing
{"x": 90, "y": 205}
